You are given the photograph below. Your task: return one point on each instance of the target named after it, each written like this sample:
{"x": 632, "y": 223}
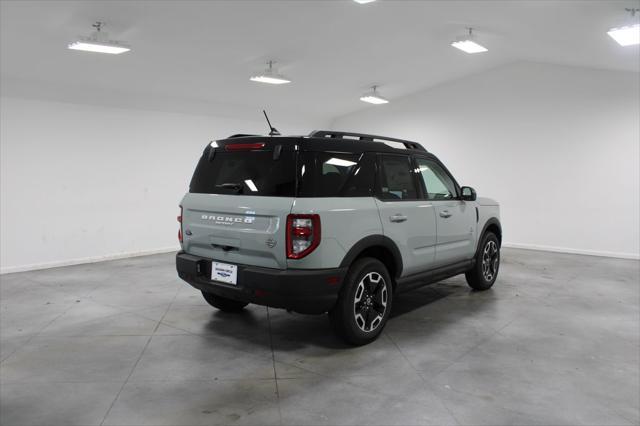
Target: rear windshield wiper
{"x": 235, "y": 186}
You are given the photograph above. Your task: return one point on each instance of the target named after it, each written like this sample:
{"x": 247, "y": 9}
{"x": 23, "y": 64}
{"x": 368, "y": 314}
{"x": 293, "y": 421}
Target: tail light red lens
{"x": 303, "y": 234}
{"x": 180, "y": 229}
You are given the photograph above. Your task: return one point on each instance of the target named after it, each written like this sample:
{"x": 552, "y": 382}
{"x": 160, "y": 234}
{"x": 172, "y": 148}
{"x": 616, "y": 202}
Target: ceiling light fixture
{"x": 373, "y": 97}
{"x": 252, "y": 186}
{"x": 364, "y": 1}
{"x": 99, "y": 42}
{"x": 628, "y": 35}
{"x": 340, "y": 162}
{"x": 467, "y": 44}
{"x": 270, "y": 76}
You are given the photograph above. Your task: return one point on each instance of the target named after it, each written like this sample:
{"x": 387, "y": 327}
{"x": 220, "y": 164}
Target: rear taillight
{"x": 303, "y": 234}
{"x": 180, "y": 229}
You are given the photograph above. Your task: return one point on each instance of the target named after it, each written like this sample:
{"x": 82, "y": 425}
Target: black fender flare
{"x": 491, "y": 221}
{"x": 373, "y": 241}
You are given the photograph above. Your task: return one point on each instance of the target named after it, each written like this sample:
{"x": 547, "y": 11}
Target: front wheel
{"x": 364, "y": 304}
{"x": 485, "y": 271}
{"x": 222, "y": 303}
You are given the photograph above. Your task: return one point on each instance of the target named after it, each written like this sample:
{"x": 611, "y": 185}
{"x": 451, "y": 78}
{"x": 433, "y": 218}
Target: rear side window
{"x": 246, "y": 173}
{"x": 326, "y": 174}
{"x": 397, "y": 181}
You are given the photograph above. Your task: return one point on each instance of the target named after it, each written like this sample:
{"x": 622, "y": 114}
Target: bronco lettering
{"x": 229, "y": 220}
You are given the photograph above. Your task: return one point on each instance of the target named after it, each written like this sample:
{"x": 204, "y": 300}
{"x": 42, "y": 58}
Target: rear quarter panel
{"x": 343, "y": 221}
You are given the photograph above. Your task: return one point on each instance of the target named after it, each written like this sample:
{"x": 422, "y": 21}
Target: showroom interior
{"x": 106, "y": 107}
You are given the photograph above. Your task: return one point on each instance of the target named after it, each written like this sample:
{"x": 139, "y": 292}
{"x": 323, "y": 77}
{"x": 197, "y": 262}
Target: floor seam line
{"x": 422, "y": 378}
{"x": 468, "y": 351}
{"x": 37, "y": 333}
{"x": 135, "y": 364}
{"x": 275, "y": 372}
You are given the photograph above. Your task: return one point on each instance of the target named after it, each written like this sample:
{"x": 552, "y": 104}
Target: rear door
{"x": 237, "y": 206}
{"x": 456, "y": 219}
{"x": 409, "y": 221}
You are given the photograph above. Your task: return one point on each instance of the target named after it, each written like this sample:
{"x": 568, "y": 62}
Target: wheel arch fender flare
{"x": 491, "y": 222}
{"x": 372, "y": 241}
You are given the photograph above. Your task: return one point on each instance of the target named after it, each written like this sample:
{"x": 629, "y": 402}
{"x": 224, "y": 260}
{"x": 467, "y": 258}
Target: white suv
{"x": 331, "y": 222}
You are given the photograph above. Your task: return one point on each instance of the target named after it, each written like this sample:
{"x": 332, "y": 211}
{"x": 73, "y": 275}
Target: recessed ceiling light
{"x": 364, "y": 1}
{"x": 373, "y": 97}
{"x": 467, "y": 44}
{"x": 270, "y": 76}
{"x": 99, "y": 42}
{"x": 628, "y": 35}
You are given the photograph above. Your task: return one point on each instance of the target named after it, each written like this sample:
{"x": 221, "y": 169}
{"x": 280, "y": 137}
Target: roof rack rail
{"x": 364, "y": 137}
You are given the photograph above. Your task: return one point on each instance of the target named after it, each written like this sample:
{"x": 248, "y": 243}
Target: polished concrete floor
{"x": 555, "y": 342}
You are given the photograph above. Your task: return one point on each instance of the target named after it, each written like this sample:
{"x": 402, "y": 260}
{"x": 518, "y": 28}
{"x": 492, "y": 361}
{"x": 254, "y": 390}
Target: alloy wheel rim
{"x": 370, "y": 302}
{"x": 490, "y": 260}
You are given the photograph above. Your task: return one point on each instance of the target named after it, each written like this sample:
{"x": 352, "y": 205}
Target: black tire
{"x": 222, "y": 303}
{"x": 485, "y": 271}
{"x": 361, "y": 322}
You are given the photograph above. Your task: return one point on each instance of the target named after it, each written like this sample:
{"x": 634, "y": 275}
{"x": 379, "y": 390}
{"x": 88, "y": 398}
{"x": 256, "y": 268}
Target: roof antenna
{"x": 273, "y": 131}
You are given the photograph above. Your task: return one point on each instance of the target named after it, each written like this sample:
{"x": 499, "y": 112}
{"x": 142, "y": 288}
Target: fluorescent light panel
{"x": 374, "y": 99}
{"x": 364, "y": 1}
{"x": 340, "y": 162}
{"x": 626, "y": 36}
{"x": 469, "y": 46}
{"x": 89, "y": 46}
{"x": 270, "y": 79}
{"x": 251, "y": 185}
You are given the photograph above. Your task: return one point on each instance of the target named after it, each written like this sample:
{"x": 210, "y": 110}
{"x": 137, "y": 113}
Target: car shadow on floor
{"x": 416, "y": 299}
{"x": 290, "y": 331}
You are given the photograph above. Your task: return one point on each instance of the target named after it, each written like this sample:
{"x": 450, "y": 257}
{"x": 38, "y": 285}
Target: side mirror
{"x": 468, "y": 193}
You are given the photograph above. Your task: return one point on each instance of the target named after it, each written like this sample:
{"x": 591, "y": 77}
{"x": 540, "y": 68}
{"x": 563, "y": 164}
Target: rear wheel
{"x": 364, "y": 304}
{"x": 485, "y": 271}
{"x": 222, "y": 303}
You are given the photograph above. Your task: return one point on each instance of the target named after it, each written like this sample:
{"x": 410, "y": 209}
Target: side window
{"x": 396, "y": 178}
{"x": 325, "y": 174}
{"x": 361, "y": 181}
{"x": 438, "y": 184}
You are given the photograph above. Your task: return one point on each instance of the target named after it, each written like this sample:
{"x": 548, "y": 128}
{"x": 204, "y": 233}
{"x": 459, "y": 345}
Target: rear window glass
{"x": 326, "y": 174}
{"x": 246, "y": 173}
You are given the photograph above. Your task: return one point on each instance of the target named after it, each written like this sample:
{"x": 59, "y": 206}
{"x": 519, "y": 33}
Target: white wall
{"x": 82, "y": 182}
{"x": 557, "y": 146}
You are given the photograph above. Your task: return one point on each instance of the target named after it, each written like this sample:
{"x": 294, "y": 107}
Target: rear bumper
{"x": 311, "y": 291}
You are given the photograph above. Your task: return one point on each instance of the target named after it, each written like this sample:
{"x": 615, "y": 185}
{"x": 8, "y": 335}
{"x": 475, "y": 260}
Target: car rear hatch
{"x": 240, "y": 195}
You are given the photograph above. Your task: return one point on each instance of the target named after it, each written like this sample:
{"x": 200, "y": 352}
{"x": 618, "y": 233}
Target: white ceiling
{"x": 197, "y": 56}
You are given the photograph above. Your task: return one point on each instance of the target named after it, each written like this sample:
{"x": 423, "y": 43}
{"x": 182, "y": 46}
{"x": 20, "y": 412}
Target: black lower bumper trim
{"x": 310, "y": 291}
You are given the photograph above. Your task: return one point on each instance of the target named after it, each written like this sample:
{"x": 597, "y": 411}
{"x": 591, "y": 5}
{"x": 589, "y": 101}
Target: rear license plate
{"x": 224, "y": 272}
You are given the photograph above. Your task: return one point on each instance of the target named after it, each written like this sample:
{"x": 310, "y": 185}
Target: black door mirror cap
{"x": 468, "y": 193}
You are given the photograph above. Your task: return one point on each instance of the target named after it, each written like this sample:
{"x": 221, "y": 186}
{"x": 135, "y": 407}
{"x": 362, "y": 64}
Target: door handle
{"x": 398, "y": 218}
{"x": 445, "y": 214}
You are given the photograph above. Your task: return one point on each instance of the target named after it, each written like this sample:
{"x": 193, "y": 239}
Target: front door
{"x": 456, "y": 219}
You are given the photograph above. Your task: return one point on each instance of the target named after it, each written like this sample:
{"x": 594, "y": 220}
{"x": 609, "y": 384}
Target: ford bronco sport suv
{"x": 331, "y": 222}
